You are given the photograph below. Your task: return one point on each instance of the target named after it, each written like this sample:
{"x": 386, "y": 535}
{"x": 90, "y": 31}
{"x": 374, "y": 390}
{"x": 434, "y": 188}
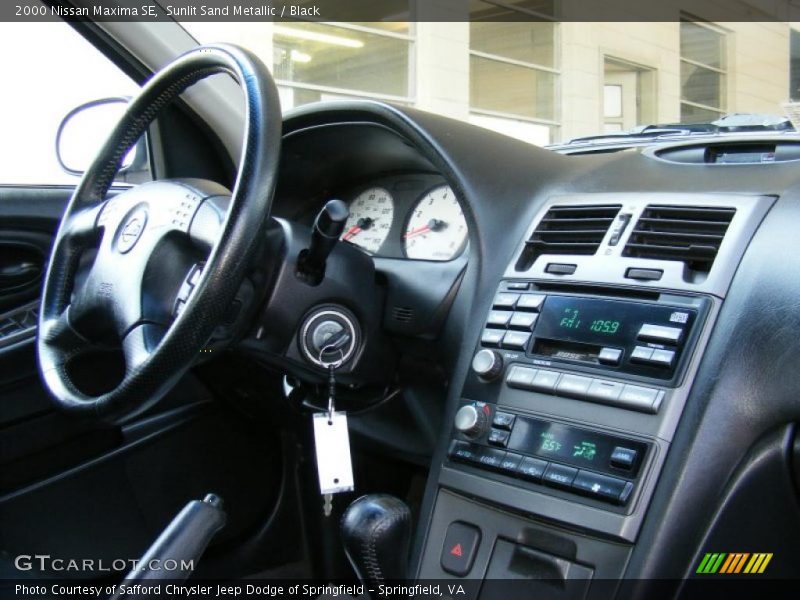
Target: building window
{"x": 703, "y": 72}
{"x": 514, "y": 69}
{"x": 318, "y": 61}
{"x": 794, "y": 65}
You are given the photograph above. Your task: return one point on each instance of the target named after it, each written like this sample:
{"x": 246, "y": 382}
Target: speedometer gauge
{"x": 436, "y": 229}
{"x": 371, "y": 214}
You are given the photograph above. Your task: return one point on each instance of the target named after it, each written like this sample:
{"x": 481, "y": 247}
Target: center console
{"x": 580, "y": 372}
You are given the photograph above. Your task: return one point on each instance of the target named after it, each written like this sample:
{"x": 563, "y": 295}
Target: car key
{"x": 332, "y": 442}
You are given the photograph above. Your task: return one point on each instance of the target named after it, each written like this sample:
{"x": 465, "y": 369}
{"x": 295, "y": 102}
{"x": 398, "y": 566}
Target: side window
{"x": 49, "y": 71}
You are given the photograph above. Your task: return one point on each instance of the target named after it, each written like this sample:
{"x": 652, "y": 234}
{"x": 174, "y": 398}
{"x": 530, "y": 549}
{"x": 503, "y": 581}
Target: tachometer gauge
{"x": 436, "y": 229}
{"x": 371, "y": 214}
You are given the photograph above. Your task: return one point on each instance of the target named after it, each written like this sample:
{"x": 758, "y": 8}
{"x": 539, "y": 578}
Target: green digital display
{"x": 585, "y": 450}
{"x": 552, "y": 444}
{"x": 571, "y": 319}
{"x": 549, "y": 443}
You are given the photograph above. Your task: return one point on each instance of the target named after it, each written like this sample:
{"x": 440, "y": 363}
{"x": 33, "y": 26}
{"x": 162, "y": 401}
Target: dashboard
{"x": 612, "y": 328}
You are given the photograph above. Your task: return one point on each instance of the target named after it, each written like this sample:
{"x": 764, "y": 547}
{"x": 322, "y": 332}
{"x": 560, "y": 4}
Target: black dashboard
{"x": 619, "y": 340}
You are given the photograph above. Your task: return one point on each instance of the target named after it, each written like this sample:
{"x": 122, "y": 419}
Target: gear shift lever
{"x": 376, "y": 531}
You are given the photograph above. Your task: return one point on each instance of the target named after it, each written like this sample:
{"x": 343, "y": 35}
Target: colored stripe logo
{"x": 734, "y": 563}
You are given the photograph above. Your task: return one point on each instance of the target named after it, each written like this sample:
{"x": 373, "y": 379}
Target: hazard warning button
{"x": 460, "y": 546}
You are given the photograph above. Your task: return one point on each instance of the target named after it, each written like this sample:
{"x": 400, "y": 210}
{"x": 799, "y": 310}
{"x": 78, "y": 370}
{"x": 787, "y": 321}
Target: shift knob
{"x": 376, "y": 532}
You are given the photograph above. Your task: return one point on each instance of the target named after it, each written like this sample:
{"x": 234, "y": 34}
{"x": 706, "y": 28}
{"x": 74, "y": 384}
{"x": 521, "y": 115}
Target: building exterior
{"x": 542, "y": 81}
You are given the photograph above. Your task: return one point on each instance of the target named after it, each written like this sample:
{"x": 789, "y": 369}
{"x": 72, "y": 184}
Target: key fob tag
{"x": 332, "y": 441}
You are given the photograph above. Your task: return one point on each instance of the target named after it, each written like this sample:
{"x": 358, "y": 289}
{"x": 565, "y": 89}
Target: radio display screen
{"x": 604, "y": 322}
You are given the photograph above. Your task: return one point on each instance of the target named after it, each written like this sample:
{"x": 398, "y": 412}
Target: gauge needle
{"x": 351, "y": 232}
{"x": 417, "y": 231}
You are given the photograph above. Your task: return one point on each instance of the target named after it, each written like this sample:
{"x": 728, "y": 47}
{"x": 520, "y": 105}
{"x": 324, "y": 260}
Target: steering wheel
{"x": 152, "y": 241}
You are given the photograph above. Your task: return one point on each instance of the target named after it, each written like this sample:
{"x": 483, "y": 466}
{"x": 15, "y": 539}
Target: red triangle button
{"x": 456, "y": 550}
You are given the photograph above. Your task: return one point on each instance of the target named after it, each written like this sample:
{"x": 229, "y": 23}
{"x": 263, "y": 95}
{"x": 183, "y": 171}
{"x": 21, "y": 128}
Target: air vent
{"x": 403, "y": 314}
{"x": 568, "y": 230}
{"x": 688, "y": 234}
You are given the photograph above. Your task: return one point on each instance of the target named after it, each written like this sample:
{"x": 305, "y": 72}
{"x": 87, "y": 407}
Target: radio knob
{"x": 471, "y": 421}
{"x": 487, "y": 364}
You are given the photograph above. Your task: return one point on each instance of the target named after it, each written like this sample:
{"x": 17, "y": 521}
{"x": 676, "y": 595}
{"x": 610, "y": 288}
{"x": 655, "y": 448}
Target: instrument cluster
{"x": 416, "y": 217}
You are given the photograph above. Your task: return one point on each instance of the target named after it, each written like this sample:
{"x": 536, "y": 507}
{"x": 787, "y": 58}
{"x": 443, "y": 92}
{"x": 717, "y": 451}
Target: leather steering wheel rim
{"x": 89, "y": 216}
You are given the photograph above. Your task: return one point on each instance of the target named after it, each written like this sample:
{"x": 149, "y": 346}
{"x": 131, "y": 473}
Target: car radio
{"x": 637, "y": 337}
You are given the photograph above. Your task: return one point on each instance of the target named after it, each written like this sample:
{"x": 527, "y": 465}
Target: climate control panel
{"x": 534, "y": 451}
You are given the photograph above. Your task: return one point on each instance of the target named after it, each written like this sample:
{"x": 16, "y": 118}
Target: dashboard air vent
{"x": 688, "y": 234}
{"x": 568, "y": 230}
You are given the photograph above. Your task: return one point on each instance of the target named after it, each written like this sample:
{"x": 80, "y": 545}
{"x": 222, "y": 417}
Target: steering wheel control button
{"x": 498, "y": 437}
{"x": 532, "y": 469}
{"x": 523, "y": 320}
{"x": 623, "y": 458}
{"x": 602, "y": 487}
{"x": 531, "y": 302}
{"x": 503, "y": 420}
{"x": 131, "y": 229}
{"x": 610, "y": 356}
{"x": 520, "y": 377}
{"x": 505, "y": 300}
{"x": 487, "y": 364}
{"x": 660, "y": 333}
{"x": 498, "y": 318}
{"x": 492, "y": 337}
{"x": 472, "y": 421}
{"x": 329, "y": 334}
{"x": 574, "y": 385}
{"x": 560, "y": 476}
{"x": 460, "y": 547}
{"x": 516, "y": 340}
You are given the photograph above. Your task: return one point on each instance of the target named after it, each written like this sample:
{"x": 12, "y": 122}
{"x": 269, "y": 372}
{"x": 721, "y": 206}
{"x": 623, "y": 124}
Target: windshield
{"x": 541, "y": 81}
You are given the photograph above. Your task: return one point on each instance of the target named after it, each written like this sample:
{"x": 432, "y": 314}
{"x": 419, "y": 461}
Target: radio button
{"x": 663, "y": 358}
{"x": 641, "y": 354}
{"x": 518, "y": 285}
{"x": 503, "y": 420}
{"x": 498, "y": 318}
{"x": 600, "y": 486}
{"x": 640, "y": 398}
{"x": 610, "y": 356}
{"x": 545, "y": 381}
{"x": 530, "y": 302}
{"x": 660, "y": 333}
{"x": 605, "y": 391}
{"x": 516, "y": 340}
{"x": 521, "y": 320}
{"x": 520, "y": 377}
{"x": 623, "y": 458}
{"x": 492, "y": 337}
{"x": 574, "y": 385}
{"x": 531, "y": 469}
{"x": 505, "y": 300}
{"x": 559, "y": 475}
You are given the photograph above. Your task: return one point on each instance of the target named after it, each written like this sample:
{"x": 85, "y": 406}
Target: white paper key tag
{"x": 332, "y": 441}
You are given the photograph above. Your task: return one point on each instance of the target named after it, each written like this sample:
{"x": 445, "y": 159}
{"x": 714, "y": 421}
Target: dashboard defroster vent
{"x": 688, "y": 234}
{"x": 568, "y": 230}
